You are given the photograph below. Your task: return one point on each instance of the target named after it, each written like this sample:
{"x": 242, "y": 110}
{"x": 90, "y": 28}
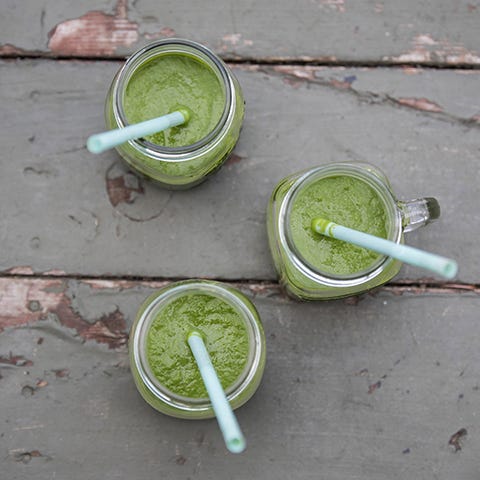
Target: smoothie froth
{"x": 169, "y": 82}
{"x": 224, "y": 333}
{"x": 344, "y": 200}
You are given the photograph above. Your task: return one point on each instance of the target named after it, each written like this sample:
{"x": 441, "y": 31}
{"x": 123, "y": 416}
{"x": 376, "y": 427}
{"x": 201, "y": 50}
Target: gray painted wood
{"x": 57, "y": 215}
{"x": 437, "y": 32}
{"x": 369, "y": 388}
{"x": 368, "y": 391}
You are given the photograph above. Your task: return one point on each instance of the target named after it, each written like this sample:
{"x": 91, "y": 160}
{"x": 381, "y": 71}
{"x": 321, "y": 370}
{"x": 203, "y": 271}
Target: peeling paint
{"x": 419, "y": 288}
{"x": 295, "y": 76}
{"x": 110, "y": 329}
{"x": 335, "y": 5}
{"x": 340, "y": 84}
{"x": 232, "y": 41}
{"x": 61, "y": 373}
{"x": 245, "y": 67}
{"x": 94, "y": 34}
{"x": 16, "y": 360}
{"x": 108, "y": 284}
{"x": 52, "y": 298}
{"x": 124, "y": 284}
{"x": 165, "y": 32}
{"x": 26, "y": 456}
{"x": 55, "y": 272}
{"x": 287, "y": 61}
{"x": 20, "y": 270}
{"x": 302, "y": 73}
{"x": 455, "y": 439}
{"x": 17, "y": 296}
{"x": 425, "y": 40}
{"x": 133, "y": 198}
{"x": 426, "y": 49}
{"x": 420, "y": 104}
{"x": 264, "y": 289}
{"x": 122, "y": 187}
{"x": 374, "y": 386}
{"x": 411, "y": 70}
{"x": 9, "y": 50}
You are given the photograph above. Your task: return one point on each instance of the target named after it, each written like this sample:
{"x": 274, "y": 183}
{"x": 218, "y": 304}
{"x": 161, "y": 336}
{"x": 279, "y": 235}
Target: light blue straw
{"x": 233, "y": 436}
{"x": 413, "y": 256}
{"x": 103, "y": 141}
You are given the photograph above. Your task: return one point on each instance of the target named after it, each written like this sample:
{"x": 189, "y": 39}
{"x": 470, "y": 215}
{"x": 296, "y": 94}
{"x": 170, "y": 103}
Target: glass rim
{"x": 177, "y": 290}
{"x": 362, "y": 171}
{"x": 165, "y": 47}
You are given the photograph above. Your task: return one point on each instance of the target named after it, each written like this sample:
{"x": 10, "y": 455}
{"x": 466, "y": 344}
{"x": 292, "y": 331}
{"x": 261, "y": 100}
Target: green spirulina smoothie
{"x": 344, "y": 200}
{"x": 166, "y": 76}
{"x": 169, "y": 82}
{"x": 223, "y": 331}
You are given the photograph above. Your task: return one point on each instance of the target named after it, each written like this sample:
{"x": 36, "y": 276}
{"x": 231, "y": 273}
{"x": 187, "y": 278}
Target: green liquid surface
{"x": 224, "y": 333}
{"x": 344, "y": 200}
{"x": 169, "y": 82}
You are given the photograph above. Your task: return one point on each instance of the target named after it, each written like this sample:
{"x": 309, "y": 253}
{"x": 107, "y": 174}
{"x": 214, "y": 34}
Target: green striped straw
{"x": 233, "y": 436}
{"x": 413, "y": 256}
{"x": 100, "y": 142}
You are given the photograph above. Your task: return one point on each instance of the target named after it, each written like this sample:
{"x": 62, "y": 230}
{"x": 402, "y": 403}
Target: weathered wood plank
{"x": 372, "y": 390}
{"x": 56, "y": 197}
{"x": 387, "y": 31}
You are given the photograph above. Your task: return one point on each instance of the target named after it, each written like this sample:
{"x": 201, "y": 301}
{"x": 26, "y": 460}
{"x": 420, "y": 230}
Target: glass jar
{"x": 185, "y": 166}
{"x": 169, "y": 402}
{"x": 305, "y": 281}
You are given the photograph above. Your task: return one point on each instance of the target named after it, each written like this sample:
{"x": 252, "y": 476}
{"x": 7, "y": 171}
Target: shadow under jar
{"x": 162, "y": 364}
{"x": 311, "y": 266}
{"x": 159, "y": 79}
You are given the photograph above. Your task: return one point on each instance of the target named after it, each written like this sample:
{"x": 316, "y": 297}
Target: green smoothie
{"x": 344, "y": 200}
{"x": 169, "y": 82}
{"x": 166, "y": 76}
{"x": 223, "y": 330}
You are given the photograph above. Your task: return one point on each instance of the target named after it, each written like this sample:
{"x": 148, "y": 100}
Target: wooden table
{"x": 382, "y": 386}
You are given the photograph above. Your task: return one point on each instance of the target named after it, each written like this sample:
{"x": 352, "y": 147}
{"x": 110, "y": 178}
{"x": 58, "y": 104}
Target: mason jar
{"x": 178, "y": 167}
{"x": 299, "y": 275}
{"x": 166, "y": 391}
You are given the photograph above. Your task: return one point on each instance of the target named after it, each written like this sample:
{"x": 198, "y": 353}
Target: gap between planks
{"x": 415, "y": 286}
{"x": 259, "y": 61}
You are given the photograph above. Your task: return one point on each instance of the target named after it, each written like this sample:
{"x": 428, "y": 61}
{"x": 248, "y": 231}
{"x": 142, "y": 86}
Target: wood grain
{"x": 105, "y": 221}
{"x": 371, "y": 390}
{"x": 325, "y": 31}
{"x": 381, "y": 386}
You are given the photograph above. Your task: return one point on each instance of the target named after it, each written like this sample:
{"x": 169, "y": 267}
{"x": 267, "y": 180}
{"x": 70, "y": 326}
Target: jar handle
{"x": 419, "y": 212}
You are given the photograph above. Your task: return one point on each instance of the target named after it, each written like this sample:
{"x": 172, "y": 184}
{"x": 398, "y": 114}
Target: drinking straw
{"x": 100, "y": 142}
{"x": 413, "y": 256}
{"x": 234, "y": 439}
